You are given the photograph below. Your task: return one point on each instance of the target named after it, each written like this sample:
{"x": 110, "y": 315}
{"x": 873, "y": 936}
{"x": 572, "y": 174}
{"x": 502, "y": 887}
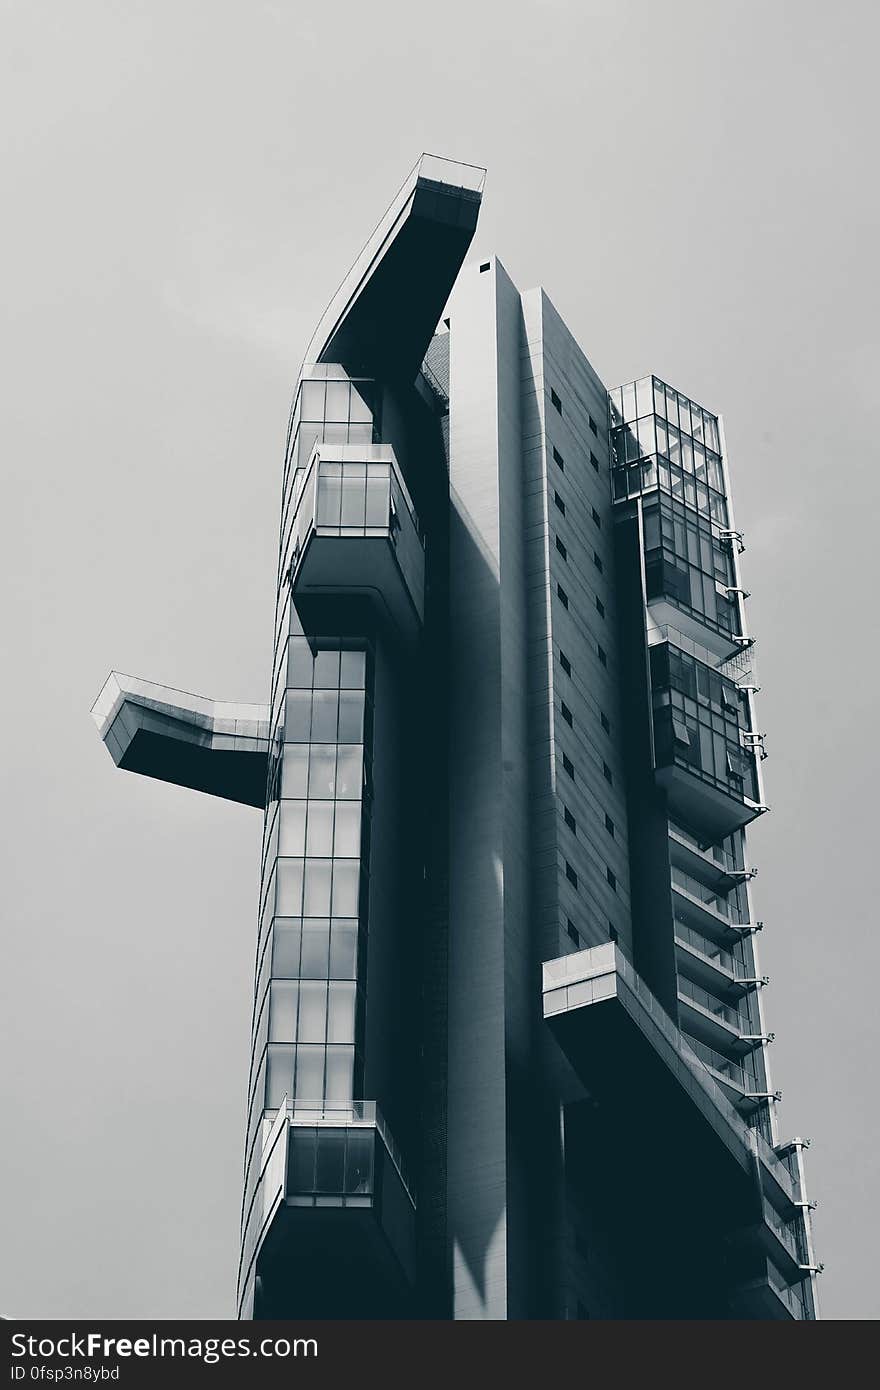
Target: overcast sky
{"x": 695, "y": 185}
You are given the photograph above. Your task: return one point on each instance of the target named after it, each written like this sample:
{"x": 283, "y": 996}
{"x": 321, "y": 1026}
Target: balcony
{"x": 716, "y": 1023}
{"x": 190, "y": 740}
{"x": 355, "y": 534}
{"x": 713, "y": 866}
{"x": 333, "y": 1214}
{"x": 768, "y": 1296}
{"x": 710, "y": 965}
{"x": 659, "y": 1094}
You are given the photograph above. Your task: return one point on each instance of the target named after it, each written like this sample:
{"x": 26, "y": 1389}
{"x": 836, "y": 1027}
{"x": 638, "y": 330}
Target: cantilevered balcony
{"x": 355, "y": 533}
{"x": 333, "y": 1214}
{"x": 713, "y": 866}
{"x": 209, "y": 745}
{"x": 657, "y": 1091}
{"x": 712, "y": 966}
{"x": 767, "y": 1296}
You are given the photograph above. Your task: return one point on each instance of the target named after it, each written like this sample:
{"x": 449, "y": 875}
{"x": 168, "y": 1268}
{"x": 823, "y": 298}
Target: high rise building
{"x": 509, "y": 1052}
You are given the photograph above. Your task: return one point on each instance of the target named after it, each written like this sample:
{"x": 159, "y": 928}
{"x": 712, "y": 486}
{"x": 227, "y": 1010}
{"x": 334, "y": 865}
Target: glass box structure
{"x": 508, "y": 1030}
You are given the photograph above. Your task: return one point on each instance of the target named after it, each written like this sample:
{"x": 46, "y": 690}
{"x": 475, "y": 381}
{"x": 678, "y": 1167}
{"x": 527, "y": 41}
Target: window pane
{"x": 325, "y": 709}
{"x": 309, "y": 1072}
{"x": 285, "y": 948}
{"x": 337, "y": 402}
{"x": 351, "y": 717}
{"x": 359, "y": 1161}
{"x": 331, "y": 1160}
{"x": 299, "y": 663}
{"x": 282, "y": 1011}
{"x": 346, "y": 875}
{"x": 340, "y": 1012}
{"x": 302, "y": 1152}
{"x": 329, "y": 498}
{"x": 294, "y": 770}
{"x": 353, "y": 484}
{"x": 343, "y": 950}
{"x": 327, "y": 670}
{"x": 360, "y": 404}
{"x": 279, "y": 1075}
{"x": 322, "y": 772}
{"x": 353, "y": 670}
{"x": 378, "y": 484}
{"x": 347, "y": 842}
{"x": 319, "y": 841}
{"x": 312, "y": 400}
{"x": 316, "y": 897}
{"x": 315, "y": 941}
{"x": 297, "y": 716}
{"x": 340, "y": 1069}
{"x": 289, "y": 894}
{"x": 312, "y": 1012}
{"x": 292, "y": 828}
{"x": 349, "y": 773}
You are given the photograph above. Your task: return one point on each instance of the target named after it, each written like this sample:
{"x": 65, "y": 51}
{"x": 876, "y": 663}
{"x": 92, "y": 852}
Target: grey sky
{"x": 185, "y": 183}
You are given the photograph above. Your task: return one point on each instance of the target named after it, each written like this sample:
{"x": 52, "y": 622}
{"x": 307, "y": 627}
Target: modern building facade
{"x": 509, "y": 1053}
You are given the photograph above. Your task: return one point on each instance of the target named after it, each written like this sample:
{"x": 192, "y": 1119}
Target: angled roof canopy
{"x": 382, "y": 317}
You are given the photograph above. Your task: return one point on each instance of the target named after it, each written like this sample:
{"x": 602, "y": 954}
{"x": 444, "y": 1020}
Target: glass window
{"x": 279, "y": 1076}
{"x": 325, "y": 714}
{"x": 351, "y": 717}
{"x": 298, "y": 714}
{"x": 336, "y": 407}
{"x": 309, "y": 1072}
{"x": 289, "y": 891}
{"x": 316, "y": 895}
{"x": 340, "y": 1075}
{"x": 294, "y": 770}
{"x": 358, "y": 1160}
{"x": 646, "y": 435}
{"x": 300, "y": 663}
{"x": 377, "y": 496}
{"x": 319, "y": 836}
{"x": 354, "y": 481}
{"x": 301, "y": 1155}
{"x": 322, "y": 772}
{"x": 330, "y": 1167}
{"x": 327, "y": 669}
{"x": 282, "y": 1011}
{"x": 292, "y": 829}
{"x": 340, "y": 1012}
{"x": 645, "y": 396}
{"x": 286, "y": 948}
{"x": 360, "y": 404}
{"x": 343, "y": 949}
{"x": 347, "y": 842}
{"x": 346, "y": 876}
{"x": 312, "y": 400}
{"x": 312, "y": 1013}
{"x": 315, "y": 944}
{"x": 329, "y": 495}
{"x": 353, "y": 670}
{"x": 349, "y": 779}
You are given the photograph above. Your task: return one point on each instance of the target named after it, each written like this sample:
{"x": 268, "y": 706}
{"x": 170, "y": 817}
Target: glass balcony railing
{"x": 693, "y": 994}
{"x": 714, "y": 955}
{"x": 723, "y": 1066}
{"x": 709, "y": 898}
